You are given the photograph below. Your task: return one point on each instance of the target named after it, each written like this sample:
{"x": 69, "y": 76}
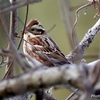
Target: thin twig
{"x": 71, "y": 21}
{"x": 9, "y": 69}
{"x": 72, "y": 94}
{"x": 27, "y": 9}
{"x": 16, "y": 53}
{"x": 3, "y": 62}
{"x": 13, "y": 30}
{"x": 51, "y": 28}
{"x": 77, "y": 16}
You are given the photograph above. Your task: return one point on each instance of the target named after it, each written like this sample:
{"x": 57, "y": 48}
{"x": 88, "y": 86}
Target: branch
{"x": 15, "y": 52}
{"x": 77, "y": 16}
{"x": 32, "y": 81}
{"x": 27, "y": 9}
{"x": 13, "y": 30}
{"x": 25, "y": 96}
{"x": 18, "y": 5}
{"x": 77, "y": 54}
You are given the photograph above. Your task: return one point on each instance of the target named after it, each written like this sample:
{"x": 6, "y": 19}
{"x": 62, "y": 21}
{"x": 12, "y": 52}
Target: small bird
{"x": 41, "y": 47}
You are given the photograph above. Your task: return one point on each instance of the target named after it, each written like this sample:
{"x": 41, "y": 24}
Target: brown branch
{"x": 71, "y": 21}
{"x": 77, "y": 16}
{"x": 24, "y": 26}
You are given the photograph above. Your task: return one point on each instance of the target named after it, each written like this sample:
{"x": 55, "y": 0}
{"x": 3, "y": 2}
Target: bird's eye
{"x": 37, "y": 31}
{"x": 32, "y": 29}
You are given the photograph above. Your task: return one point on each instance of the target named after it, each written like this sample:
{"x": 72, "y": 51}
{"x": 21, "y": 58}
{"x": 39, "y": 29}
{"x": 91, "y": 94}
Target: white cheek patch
{"x": 30, "y": 35}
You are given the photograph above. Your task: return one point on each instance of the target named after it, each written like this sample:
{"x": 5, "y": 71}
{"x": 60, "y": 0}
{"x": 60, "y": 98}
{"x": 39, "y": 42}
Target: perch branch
{"x": 32, "y": 81}
{"x": 41, "y": 79}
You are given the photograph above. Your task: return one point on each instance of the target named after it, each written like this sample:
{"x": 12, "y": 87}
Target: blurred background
{"x": 61, "y": 14}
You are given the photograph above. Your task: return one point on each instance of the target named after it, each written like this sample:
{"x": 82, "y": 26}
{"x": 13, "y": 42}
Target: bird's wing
{"x": 49, "y": 50}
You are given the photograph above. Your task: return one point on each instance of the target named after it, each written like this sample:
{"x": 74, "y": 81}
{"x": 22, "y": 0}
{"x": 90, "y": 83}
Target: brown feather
{"x": 37, "y": 57}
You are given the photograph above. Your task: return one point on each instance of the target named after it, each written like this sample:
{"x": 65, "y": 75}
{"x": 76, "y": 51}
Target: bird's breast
{"x": 38, "y": 61}
{"x": 27, "y": 48}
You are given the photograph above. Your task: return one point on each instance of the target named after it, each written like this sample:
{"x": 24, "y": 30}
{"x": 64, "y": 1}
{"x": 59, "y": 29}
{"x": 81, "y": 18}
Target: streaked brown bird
{"x": 41, "y": 47}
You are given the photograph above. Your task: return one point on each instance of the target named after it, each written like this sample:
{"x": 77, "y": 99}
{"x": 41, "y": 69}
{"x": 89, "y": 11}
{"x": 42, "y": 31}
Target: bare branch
{"x": 24, "y": 27}
{"x": 77, "y": 54}
{"x": 41, "y": 79}
{"x": 26, "y": 96}
{"x": 77, "y": 16}
{"x": 3, "y": 62}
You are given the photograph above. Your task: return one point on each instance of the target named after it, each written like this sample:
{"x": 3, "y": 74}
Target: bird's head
{"x": 34, "y": 28}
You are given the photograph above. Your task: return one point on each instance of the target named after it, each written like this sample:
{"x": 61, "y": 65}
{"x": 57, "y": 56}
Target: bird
{"x": 41, "y": 47}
